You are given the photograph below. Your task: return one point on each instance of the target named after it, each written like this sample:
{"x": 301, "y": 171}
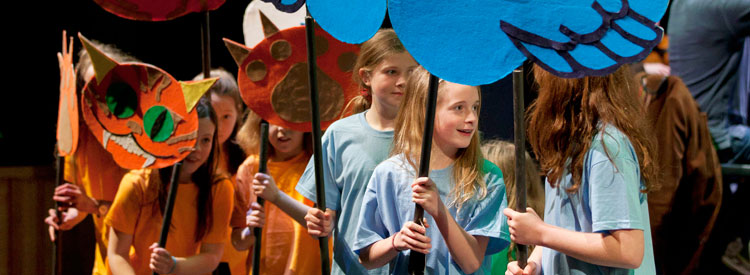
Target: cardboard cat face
{"x": 160, "y": 10}
{"x": 142, "y": 115}
{"x": 273, "y": 76}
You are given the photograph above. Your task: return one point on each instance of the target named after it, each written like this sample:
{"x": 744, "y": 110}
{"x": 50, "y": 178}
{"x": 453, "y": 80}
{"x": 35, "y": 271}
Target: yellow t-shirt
{"x": 286, "y": 248}
{"x": 135, "y": 211}
{"x": 93, "y": 168}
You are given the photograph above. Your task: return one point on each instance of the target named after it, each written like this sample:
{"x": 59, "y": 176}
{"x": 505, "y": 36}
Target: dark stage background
{"x": 29, "y": 111}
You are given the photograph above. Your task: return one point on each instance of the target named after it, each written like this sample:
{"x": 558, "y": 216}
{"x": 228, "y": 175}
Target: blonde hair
{"x": 382, "y": 45}
{"x": 503, "y": 154}
{"x": 407, "y": 140}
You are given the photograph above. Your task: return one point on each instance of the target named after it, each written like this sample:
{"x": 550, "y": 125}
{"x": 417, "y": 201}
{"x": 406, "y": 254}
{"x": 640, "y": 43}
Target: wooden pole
{"x": 167, "y": 220}
{"x": 416, "y": 259}
{"x": 317, "y": 134}
{"x": 519, "y": 139}
{"x": 58, "y": 248}
{"x": 262, "y": 168}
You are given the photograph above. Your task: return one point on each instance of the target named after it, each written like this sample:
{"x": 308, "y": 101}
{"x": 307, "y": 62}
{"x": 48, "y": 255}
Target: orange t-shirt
{"x": 93, "y": 168}
{"x": 286, "y": 248}
{"x": 135, "y": 212}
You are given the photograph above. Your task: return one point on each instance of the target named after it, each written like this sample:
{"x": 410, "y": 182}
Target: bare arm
{"x": 621, "y": 248}
{"x": 265, "y": 187}
{"x": 118, "y": 252}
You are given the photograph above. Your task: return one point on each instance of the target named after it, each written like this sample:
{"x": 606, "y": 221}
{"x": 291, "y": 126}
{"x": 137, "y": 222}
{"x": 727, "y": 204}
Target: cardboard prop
{"x": 140, "y": 114}
{"x": 67, "y": 116}
{"x": 157, "y": 10}
{"x": 481, "y": 41}
{"x": 283, "y": 20}
{"x": 273, "y": 75}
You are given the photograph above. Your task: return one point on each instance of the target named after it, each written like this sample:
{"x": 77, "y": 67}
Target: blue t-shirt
{"x": 609, "y": 198}
{"x": 388, "y": 205}
{"x": 350, "y": 150}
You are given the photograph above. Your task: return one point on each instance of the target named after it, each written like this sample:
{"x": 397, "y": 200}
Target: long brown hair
{"x": 227, "y": 86}
{"x": 382, "y": 45}
{"x": 205, "y": 177}
{"x": 407, "y": 140}
{"x": 567, "y": 115}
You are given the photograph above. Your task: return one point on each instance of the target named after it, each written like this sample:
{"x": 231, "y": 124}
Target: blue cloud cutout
{"x": 480, "y": 41}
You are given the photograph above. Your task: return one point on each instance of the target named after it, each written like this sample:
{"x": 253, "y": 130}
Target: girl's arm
{"x": 412, "y": 236}
{"x": 206, "y": 261}
{"x": 265, "y": 187}
{"x": 620, "y": 248}
{"x": 471, "y": 248}
{"x": 118, "y": 251}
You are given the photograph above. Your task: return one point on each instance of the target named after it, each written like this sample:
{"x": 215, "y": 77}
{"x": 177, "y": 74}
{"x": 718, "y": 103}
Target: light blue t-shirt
{"x": 388, "y": 205}
{"x": 609, "y": 198}
{"x": 350, "y": 150}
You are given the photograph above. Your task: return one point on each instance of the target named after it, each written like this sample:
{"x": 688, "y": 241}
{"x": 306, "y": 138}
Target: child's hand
{"x": 412, "y": 236}
{"x": 514, "y": 269}
{"x": 256, "y": 216}
{"x": 162, "y": 261}
{"x": 525, "y": 228}
{"x": 426, "y": 194}
{"x": 265, "y": 187}
{"x": 54, "y": 224}
{"x": 319, "y": 223}
{"x": 73, "y": 196}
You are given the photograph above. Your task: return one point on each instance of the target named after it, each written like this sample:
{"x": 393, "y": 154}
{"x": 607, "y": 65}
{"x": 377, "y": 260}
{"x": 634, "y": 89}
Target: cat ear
{"x": 194, "y": 90}
{"x": 238, "y": 51}
{"x": 101, "y": 62}
{"x": 268, "y": 27}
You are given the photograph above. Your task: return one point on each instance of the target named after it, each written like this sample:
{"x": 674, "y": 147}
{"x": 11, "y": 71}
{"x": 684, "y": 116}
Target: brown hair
{"x": 503, "y": 154}
{"x": 567, "y": 115}
{"x": 248, "y": 136}
{"x": 227, "y": 86}
{"x": 407, "y": 140}
{"x": 205, "y": 177}
{"x": 382, "y": 45}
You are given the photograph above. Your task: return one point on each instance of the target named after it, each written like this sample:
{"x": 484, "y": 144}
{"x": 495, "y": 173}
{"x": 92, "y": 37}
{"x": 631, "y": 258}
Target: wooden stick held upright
{"x": 167, "y": 220}
{"x": 416, "y": 259}
{"x": 206, "y": 58}
{"x": 262, "y": 168}
{"x": 519, "y": 139}
{"x": 57, "y": 252}
{"x": 317, "y": 134}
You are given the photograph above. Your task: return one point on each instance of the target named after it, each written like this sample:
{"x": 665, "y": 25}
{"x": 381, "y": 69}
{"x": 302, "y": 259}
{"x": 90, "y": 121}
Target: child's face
{"x": 226, "y": 112}
{"x": 203, "y": 146}
{"x": 387, "y": 79}
{"x": 456, "y": 116}
{"x": 286, "y": 142}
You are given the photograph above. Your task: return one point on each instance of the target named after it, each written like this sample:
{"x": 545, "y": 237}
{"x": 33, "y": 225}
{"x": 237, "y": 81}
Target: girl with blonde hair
{"x": 461, "y": 197}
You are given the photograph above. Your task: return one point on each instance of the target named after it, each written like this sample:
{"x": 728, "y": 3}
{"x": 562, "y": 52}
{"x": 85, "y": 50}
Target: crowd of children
{"x": 596, "y": 156}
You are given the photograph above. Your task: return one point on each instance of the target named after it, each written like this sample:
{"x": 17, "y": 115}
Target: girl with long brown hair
{"x": 591, "y": 138}
{"x": 354, "y": 145}
{"x": 461, "y": 197}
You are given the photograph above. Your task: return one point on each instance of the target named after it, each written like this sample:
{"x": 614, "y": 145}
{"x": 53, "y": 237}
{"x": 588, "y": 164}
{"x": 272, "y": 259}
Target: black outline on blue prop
{"x": 518, "y": 35}
{"x": 286, "y": 8}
